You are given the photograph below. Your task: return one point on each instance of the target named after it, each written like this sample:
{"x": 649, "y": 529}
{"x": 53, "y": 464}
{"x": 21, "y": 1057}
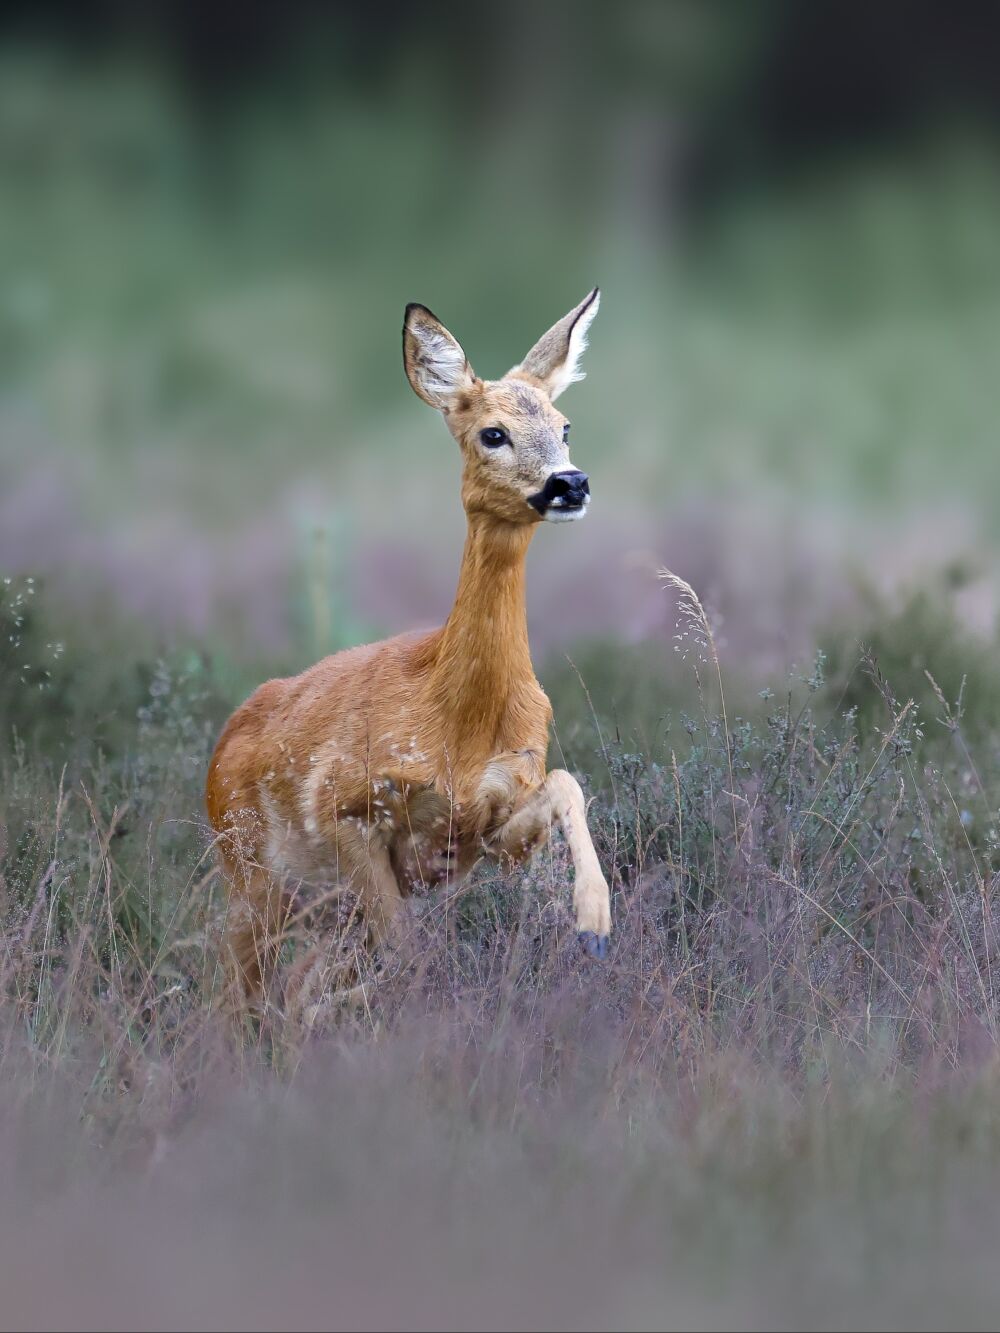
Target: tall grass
{"x": 775, "y": 1104}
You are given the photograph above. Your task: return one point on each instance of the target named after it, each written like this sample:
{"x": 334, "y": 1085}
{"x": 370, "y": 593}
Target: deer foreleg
{"x": 258, "y": 912}
{"x": 559, "y": 800}
{"x": 364, "y": 866}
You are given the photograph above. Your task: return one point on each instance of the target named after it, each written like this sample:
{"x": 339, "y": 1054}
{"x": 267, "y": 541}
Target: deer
{"x": 404, "y": 762}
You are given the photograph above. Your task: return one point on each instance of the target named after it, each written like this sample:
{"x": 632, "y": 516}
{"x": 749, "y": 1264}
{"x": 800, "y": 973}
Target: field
{"x": 778, "y": 1103}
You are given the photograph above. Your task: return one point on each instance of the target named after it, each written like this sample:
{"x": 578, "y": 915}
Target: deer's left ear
{"x": 555, "y": 359}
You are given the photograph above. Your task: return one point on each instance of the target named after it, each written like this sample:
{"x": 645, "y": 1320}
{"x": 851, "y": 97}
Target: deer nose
{"x": 573, "y": 486}
{"x": 564, "y": 495}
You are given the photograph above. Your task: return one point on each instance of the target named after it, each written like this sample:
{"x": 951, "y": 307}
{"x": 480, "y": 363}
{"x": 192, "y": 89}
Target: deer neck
{"x": 484, "y": 657}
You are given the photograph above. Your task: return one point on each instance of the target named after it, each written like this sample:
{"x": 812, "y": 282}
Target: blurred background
{"x": 779, "y": 1103}
{"x": 213, "y": 215}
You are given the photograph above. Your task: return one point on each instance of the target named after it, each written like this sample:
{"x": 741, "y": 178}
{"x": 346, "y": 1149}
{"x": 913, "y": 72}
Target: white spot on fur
{"x": 275, "y": 831}
{"x": 555, "y": 515}
{"x": 497, "y": 785}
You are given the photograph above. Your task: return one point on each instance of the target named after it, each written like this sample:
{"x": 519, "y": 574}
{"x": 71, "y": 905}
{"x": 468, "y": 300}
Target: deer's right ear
{"x": 436, "y": 366}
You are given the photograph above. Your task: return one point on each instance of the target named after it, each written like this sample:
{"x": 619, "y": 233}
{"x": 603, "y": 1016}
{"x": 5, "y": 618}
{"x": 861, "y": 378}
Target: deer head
{"x": 515, "y": 443}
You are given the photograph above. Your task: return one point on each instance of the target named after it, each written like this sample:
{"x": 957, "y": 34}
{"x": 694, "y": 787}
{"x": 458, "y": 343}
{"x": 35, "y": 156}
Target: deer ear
{"x": 436, "y": 366}
{"x": 555, "y": 359}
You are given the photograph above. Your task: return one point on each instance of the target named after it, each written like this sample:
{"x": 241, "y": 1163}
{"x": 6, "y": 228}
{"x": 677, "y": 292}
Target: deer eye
{"x": 566, "y": 433}
{"x": 493, "y": 437}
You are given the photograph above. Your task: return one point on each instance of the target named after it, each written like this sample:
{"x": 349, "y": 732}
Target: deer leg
{"x": 257, "y": 914}
{"x": 322, "y": 981}
{"x": 260, "y": 908}
{"x": 559, "y": 800}
{"x": 365, "y": 867}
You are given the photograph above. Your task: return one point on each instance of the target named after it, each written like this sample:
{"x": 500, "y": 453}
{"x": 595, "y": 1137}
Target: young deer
{"x": 406, "y": 761}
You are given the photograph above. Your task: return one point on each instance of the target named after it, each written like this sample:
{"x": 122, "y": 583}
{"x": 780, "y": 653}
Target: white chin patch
{"x": 556, "y": 513}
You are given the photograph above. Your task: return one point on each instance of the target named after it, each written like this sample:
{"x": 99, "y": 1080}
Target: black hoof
{"x": 594, "y": 945}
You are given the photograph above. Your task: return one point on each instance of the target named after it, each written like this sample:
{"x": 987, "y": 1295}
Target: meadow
{"x": 778, "y": 1103}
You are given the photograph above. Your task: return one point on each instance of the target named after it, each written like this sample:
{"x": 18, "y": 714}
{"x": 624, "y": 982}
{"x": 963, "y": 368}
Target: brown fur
{"x": 403, "y": 762}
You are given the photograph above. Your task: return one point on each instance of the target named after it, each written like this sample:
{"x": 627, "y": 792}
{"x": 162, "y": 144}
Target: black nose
{"x": 572, "y": 486}
{"x": 563, "y": 490}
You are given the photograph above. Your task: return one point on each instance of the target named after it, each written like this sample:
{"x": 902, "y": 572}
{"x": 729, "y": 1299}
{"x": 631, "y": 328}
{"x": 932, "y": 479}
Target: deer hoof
{"x": 594, "y": 945}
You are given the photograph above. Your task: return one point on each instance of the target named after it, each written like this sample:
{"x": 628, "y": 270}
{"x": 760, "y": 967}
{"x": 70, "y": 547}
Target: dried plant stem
{"x": 693, "y": 614}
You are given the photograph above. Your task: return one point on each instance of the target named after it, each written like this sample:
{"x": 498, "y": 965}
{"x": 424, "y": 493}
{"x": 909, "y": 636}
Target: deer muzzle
{"x": 564, "y": 496}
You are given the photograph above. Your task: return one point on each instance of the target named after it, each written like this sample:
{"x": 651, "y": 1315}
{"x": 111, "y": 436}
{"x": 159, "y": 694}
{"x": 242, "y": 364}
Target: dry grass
{"x": 774, "y": 1106}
